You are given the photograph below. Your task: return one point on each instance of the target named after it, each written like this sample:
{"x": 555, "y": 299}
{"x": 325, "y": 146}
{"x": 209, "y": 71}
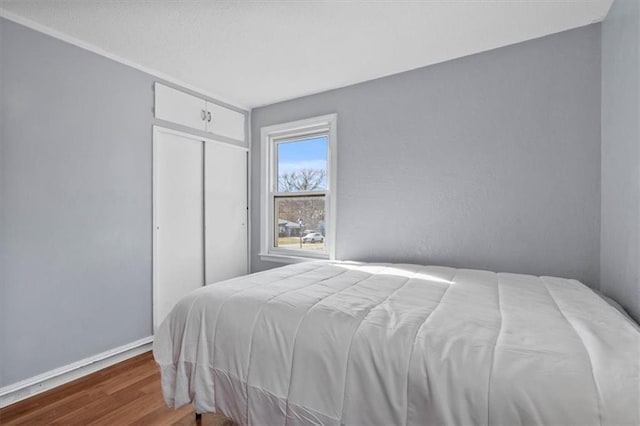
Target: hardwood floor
{"x": 127, "y": 393}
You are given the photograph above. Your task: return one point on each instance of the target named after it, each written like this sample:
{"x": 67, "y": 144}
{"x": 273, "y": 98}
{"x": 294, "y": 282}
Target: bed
{"x": 332, "y": 343}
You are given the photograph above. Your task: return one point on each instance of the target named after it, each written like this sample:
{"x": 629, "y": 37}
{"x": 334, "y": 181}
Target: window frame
{"x": 270, "y": 137}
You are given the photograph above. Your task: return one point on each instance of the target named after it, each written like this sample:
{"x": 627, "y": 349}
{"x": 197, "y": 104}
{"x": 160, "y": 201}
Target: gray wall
{"x": 620, "y": 267}
{"x": 488, "y": 161}
{"x": 492, "y": 161}
{"x": 75, "y": 203}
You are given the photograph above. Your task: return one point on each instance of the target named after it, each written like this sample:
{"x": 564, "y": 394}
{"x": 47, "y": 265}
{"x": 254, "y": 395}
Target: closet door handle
{"x": 209, "y": 116}
{"x": 203, "y": 115}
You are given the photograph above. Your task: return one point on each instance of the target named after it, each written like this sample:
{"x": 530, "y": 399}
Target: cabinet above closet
{"x": 198, "y": 113}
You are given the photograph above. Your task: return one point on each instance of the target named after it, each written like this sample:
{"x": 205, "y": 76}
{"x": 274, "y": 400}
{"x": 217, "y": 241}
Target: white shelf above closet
{"x": 197, "y": 113}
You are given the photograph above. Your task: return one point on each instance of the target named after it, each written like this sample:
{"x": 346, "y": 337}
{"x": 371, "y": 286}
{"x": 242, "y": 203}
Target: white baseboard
{"x": 59, "y": 376}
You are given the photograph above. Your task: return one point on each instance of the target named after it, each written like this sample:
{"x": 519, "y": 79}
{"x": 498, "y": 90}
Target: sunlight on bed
{"x": 395, "y": 271}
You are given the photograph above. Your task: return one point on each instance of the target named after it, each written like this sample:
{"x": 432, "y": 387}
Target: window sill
{"x": 285, "y": 258}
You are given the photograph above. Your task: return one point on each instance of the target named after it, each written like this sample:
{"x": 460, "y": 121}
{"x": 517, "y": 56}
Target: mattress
{"x": 332, "y": 343}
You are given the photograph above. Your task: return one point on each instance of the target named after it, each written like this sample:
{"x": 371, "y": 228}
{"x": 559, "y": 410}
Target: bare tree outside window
{"x": 302, "y": 180}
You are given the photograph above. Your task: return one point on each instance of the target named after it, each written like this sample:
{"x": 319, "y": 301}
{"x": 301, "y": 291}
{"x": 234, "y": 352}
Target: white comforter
{"x": 383, "y": 344}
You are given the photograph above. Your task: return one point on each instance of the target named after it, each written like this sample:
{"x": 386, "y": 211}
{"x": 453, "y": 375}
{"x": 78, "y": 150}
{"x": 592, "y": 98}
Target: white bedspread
{"x": 384, "y": 344}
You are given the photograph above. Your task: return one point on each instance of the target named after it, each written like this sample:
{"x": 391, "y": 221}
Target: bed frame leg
{"x": 198, "y": 417}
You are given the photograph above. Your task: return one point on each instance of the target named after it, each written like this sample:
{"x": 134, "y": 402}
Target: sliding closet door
{"x": 225, "y": 211}
{"x": 178, "y": 215}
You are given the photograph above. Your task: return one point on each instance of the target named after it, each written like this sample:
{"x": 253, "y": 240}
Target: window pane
{"x": 300, "y": 223}
{"x": 302, "y": 165}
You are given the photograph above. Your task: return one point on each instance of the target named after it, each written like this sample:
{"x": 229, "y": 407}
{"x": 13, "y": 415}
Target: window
{"x": 298, "y": 190}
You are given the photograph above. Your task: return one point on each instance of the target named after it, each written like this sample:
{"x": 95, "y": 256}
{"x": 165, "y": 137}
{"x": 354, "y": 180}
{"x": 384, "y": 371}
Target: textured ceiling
{"x": 253, "y": 53}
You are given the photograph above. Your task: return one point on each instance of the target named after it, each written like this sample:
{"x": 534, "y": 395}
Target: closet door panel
{"x": 179, "y": 229}
{"x": 225, "y": 122}
{"x": 179, "y": 107}
{"x": 225, "y": 211}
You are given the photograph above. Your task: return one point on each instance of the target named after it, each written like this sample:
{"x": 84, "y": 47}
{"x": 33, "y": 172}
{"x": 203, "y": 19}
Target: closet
{"x": 197, "y": 113}
{"x": 200, "y": 210}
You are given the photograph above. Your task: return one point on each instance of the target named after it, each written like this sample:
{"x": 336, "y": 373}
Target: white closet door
{"x": 225, "y": 122}
{"x": 225, "y": 211}
{"x": 178, "y": 213}
{"x": 179, "y": 107}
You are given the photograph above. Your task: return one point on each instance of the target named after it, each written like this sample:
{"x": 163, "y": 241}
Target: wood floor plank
{"x": 165, "y": 415}
{"x": 127, "y": 393}
{"x": 124, "y": 379}
{"x": 46, "y": 398}
{"x": 100, "y": 406}
{"x": 46, "y": 414}
{"x": 136, "y": 408}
